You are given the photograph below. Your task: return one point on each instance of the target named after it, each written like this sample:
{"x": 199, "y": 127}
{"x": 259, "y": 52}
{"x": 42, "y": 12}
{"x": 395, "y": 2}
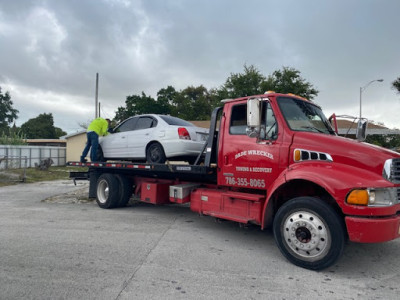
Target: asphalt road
{"x": 65, "y": 250}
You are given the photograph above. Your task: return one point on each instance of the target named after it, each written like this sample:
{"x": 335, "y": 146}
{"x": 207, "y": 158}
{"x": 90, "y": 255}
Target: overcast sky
{"x": 51, "y": 50}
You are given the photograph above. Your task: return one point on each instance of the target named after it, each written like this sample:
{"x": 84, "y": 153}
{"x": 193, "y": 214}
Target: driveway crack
{"x": 143, "y": 260}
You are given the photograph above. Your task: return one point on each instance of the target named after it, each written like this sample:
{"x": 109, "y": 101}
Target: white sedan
{"x": 154, "y": 138}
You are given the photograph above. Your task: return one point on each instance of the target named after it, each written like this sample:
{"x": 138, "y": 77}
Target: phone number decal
{"x": 260, "y": 183}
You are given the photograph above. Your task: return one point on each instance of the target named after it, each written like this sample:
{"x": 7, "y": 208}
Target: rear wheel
{"x": 309, "y": 233}
{"x": 155, "y": 154}
{"x": 125, "y": 190}
{"x": 107, "y": 193}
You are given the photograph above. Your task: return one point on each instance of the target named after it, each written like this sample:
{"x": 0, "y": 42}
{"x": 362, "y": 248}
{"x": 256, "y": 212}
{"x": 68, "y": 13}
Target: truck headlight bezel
{"x": 374, "y": 197}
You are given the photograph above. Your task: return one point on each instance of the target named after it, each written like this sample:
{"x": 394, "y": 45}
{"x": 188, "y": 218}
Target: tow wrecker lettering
{"x": 254, "y": 169}
{"x": 254, "y": 152}
{"x": 244, "y": 182}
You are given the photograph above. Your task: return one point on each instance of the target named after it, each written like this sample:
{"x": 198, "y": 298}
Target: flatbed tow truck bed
{"x": 184, "y": 172}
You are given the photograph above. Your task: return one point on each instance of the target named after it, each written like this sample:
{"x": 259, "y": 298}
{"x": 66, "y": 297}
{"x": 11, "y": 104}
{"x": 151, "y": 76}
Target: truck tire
{"x": 125, "y": 190}
{"x": 155, "y": 154}
{"x": 108, "y": 191}
{"x": 309, "y": 233}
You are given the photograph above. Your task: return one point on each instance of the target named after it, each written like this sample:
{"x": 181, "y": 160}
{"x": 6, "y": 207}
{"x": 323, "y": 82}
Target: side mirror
{"x": 332, "y": 120}
{"x": 253, "y": 117}
{"x": 361, "y": 132}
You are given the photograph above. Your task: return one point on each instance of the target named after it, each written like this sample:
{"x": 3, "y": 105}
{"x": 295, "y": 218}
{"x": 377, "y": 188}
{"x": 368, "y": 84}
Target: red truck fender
{"x": 333, "y": 181}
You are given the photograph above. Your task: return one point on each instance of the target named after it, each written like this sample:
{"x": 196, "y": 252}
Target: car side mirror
{"x": 361, "y": 133}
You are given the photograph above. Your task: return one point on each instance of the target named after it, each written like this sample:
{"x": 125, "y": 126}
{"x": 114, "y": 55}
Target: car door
{"x": 115, "y": 145}
{"x": 141, "y": 136}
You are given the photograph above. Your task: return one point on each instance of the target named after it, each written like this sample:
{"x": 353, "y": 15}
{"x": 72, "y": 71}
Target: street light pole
{"x": 363, "y": 89}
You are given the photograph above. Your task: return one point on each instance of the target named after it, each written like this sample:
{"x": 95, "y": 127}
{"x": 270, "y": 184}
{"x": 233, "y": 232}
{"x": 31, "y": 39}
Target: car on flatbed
{"x": 153, "y": 138}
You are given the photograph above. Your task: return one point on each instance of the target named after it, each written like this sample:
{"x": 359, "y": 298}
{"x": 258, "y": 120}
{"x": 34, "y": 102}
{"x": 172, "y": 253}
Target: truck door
{"x": 249, "y": 162}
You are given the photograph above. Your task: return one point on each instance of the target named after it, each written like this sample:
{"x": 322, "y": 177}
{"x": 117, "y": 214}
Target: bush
{"x": 13, "y": 138}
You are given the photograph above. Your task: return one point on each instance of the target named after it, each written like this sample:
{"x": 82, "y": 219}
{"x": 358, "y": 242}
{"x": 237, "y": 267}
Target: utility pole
{"x": 97, "y": 97}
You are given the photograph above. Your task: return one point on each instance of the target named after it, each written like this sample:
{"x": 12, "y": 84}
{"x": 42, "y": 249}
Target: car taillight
{"x": 183, "y": 133}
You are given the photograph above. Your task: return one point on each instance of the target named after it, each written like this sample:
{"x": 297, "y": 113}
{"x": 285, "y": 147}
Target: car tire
{"x": 155, "y": 154}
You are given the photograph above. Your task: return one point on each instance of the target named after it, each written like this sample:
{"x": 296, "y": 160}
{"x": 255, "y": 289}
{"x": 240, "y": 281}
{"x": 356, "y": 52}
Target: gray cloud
{"x": 51, "y": 50}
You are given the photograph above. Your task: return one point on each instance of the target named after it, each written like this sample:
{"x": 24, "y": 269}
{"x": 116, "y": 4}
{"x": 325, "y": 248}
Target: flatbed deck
{"x": 184, "y": 172}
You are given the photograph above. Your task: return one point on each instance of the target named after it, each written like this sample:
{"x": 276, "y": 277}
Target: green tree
{"x": 390, "y": 141}
{"x": 396, "y": 85}
{"x": 59, "y": 132}
{"x": 196, "y": 103}
{"x": 253, "y": 82}
{"x": 143, "y": 104}
{"x": 288, "y": 80}
{"x": 165, "y": 99}
{"x": 248, "y": 83}
{"x": 192, "y": 103}
{"x": 41, "y": 127}
{"x": 7, "y": 113}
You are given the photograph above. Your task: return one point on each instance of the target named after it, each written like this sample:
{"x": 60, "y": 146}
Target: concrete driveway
{"x": 65, "y": 250}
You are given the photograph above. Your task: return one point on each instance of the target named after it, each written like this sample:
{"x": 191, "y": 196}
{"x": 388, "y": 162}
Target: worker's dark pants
{"x": 92, "y": 142}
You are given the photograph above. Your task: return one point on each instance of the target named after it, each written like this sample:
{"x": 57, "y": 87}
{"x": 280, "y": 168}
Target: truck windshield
{"x": 301, "y": 115}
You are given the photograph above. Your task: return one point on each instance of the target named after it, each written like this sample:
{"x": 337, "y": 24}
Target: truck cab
{"x": 284, "y": 148}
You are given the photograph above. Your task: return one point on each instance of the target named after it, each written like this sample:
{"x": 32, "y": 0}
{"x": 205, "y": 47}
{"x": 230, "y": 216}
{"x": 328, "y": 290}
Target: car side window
{"x": 128, "y": 125}
{"x": 145, "y": 122}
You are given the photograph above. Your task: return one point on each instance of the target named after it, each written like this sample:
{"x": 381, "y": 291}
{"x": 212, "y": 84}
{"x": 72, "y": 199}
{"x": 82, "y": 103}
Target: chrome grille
{"x": 396, "y": 170}
{"x": 391, "y": 170}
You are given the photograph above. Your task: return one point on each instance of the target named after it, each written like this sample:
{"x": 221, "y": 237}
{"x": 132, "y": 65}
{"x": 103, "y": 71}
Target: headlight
{"x": 374, "y": 197}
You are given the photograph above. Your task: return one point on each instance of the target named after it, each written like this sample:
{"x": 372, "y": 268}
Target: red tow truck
{"x": 273, "y": 160}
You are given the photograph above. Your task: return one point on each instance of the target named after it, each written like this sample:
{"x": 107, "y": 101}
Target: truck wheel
{"x": 125, "y": 190}
{"x": 155, "y": 154}
{"x": 107, "y": 194}
{"x": 309, "y": 233}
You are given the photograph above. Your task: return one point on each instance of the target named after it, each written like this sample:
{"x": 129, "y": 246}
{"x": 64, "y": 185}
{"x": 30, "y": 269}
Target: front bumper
{"x": 373, "y": 230}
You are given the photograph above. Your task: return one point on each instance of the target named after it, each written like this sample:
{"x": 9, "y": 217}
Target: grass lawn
{"x": 14, "y": 176}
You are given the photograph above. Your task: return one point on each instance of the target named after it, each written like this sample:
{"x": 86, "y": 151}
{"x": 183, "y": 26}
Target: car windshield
{"x": 302, "y": 115}
{"x": 176, "y": 121}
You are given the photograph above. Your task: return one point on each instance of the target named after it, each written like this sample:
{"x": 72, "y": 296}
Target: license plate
{"x": 202, "y": 137}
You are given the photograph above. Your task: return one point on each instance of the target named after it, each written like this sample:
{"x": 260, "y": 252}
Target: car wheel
{"x": 155, "y": 154}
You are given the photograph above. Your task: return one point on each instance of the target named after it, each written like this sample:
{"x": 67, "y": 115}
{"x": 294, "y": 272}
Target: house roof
{"x": 73, "y": 134}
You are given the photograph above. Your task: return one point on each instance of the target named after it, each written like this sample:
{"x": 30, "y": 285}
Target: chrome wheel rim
{"x": 102, "y": 191}
{"x": 306, "y": 235}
